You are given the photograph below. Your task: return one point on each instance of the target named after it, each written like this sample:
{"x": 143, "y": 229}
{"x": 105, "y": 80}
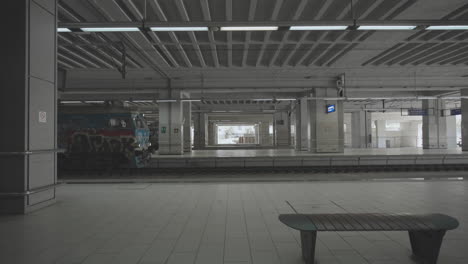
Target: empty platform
{"x": 290, "y": 158}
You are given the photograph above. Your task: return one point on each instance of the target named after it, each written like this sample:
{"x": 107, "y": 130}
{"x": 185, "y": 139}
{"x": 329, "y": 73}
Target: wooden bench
{"x": 425, "y": 231}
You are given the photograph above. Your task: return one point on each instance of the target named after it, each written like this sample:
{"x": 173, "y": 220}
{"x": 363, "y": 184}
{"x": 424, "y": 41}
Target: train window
{"x": 113, "y": 122}
{"x": 118, "y": 123}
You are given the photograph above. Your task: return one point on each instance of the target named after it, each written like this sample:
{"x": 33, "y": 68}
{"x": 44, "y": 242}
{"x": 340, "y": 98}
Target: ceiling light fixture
{"x": 253, "y": 28}
{"x": 63, "y": 30}
{"x": 448, "y": 27}
{"x": 140, "y": 101}
{"x": 111, "y": 29}
{"x": 70, "y": 102}
{"x": 386, "y": 27}
{"x": 179, "y": 29}
{"x": 166, "y": 101}
{"x": 318, "y": 27}
{"x": 94, "y": 102}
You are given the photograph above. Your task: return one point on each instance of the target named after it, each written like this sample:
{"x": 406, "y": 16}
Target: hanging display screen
{"x": 331, "y": 108}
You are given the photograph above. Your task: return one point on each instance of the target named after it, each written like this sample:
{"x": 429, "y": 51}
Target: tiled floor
{"x": 294, "y": 153}
{"x": 230, "y": 223}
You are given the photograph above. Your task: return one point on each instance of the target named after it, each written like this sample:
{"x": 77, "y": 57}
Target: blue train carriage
{"x": 103, "y": 137}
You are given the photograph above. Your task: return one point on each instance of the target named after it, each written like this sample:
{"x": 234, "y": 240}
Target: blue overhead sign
{"x": 417, "y": 112}
{"x": 456, "y": 111}
{"x": 331, "y": 108}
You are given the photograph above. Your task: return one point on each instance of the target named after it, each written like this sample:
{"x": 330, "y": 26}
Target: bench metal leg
{"x": 426, "y": 244}
{"x": 308, "y": 240}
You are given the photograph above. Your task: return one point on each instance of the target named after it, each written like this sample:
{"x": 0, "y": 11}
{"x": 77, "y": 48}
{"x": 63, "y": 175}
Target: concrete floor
{"x": 294, "y": 153}
{"x": 208, "y": 223}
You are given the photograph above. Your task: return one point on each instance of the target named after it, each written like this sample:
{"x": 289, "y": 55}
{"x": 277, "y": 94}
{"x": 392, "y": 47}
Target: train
{"x": 102, "y": 137}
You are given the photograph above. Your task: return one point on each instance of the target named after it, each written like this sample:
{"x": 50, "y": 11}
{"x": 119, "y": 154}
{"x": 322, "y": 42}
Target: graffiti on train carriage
{"x": 123, "y": 135}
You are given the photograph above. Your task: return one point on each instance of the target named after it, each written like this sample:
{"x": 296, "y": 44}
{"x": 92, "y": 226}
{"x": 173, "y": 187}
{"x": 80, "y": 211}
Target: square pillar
{"x": 281, "y": 120}
{"x": 361, "y": 130}
{"x": 171, "y": 129}
{"x": 326, "y": 129}
{"x": 380, "y": 133}
{"x": 434, "y": 125}
{"x": 464, "y": 124}
{"x": 302, "y": 125}
{"x": 264, "y": 134}
{"x": 28, "y": 106}
{"x": 187, "y": 113}
{"x": 200, "y": 128}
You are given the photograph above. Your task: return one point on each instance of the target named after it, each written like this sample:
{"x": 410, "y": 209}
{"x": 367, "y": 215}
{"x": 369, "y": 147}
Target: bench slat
{"x": 369, "y": 222}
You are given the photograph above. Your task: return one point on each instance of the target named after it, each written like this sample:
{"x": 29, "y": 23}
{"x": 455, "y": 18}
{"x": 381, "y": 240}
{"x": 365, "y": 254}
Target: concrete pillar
{"x": 326, "y": 129}
{"x": 282, "y": 129}
{"x": 451, "y": 125}
{"x": 28, "y": 106}
{"x": 361, "y": 130}
{"x": 187, "y": 113}
{"x": 200, "y": 128}
{"x": 264, "y": 134}
{"x": 464, "y": 124}
{"x": 171, "y": 128}
{"x": 212, "y": 134}
{"x": 434, "y": 125}
{"x": 380, "y": 135}
{"x": 302, "y": 125}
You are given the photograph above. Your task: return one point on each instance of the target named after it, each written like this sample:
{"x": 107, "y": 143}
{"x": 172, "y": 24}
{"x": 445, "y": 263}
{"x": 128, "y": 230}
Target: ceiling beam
{"x": 260, "y": 23}
{"x": 248, "y": 34}
{"x": 207, "y": 17}
{"x": 274, "y": 16}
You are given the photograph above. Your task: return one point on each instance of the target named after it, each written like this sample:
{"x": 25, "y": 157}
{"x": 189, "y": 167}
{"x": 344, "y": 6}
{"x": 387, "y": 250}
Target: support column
{"x": 380, "y": 135}
{"x": 28, "y": 106}
{"x": 200, "y": 128}
{"x": 264, "y": 134}
{"x": 326, "y": 129}
{"x": 434, "y": 125}
{"x": 302, "y": 125}
{"x": 282, "y": 129}
{"x": 171, "y": 128}
{"x": 451, "y": 125}
{"x": 187, "y": 112}
{"x": 361, "y": 130}
{"x": 464, "y": 124}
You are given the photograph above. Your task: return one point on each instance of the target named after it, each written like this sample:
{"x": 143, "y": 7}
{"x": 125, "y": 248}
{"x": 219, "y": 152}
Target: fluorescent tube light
{"x": 286, "y": 99}
{"x": 385, "y": 27}
{"x": 318, "y": 27}
{"x": 94, "y": 102}
{"x": 111, "y": 29}
{"x": 63, "y": 30}
{"x": 179, "y": 28}
{"x": 191, "y": 100}
{"x": 166, "y": 101}
{"x": 252, "y": 28}
{"x": 426, "y": 97}
{"x": 448, "y": 27}
{"x": 70, "y": 102}
{"x": 140, "y": 101}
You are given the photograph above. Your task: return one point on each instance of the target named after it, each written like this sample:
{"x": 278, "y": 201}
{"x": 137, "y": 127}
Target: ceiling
{"x": 264, "y": 62}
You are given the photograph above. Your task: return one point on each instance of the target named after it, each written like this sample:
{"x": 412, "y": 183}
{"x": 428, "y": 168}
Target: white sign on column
{"x": 42, "y": 117}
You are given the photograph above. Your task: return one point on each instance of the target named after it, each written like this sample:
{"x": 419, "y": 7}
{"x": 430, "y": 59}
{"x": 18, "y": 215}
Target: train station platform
{"x": 291, "y": 158}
